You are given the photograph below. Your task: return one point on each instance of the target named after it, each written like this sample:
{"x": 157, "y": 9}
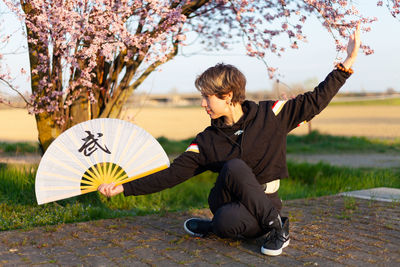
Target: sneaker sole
{"x": 190, "y": 232}
{"x": 278, "y": 252}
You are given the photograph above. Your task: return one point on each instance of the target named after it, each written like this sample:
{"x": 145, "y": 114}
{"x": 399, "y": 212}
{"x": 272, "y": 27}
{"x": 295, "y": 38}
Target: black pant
{"x": 239, "y": 204}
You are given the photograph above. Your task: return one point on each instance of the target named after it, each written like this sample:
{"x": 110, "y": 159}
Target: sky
{"x": 313, "y": 60}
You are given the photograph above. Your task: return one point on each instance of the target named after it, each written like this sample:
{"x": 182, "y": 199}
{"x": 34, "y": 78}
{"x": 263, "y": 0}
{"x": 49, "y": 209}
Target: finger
{"x": 105, "y": 189}
{"x": 357, "y": 31}
{"x": 101, "y": 188}
{"x": 108, "y": 188}
{"x": 111, "y": 190}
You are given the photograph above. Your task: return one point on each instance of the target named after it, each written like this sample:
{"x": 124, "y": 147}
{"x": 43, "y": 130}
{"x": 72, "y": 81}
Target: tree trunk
{"x": 79, "y": 111}
{"x": 48, "y": 130}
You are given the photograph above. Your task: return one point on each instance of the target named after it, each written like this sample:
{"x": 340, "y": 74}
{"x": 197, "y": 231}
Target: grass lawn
{"x": 316, "y": 143}
{"x": 19, "y": 148}
{"x": 18, "y": 208}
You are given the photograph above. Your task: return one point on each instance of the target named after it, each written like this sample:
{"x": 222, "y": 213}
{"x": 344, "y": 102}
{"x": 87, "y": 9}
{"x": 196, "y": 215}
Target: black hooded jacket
{"x": 258, "y": 138}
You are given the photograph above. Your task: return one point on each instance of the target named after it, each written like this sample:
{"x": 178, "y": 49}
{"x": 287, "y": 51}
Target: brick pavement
{"x": 326, "y": 231}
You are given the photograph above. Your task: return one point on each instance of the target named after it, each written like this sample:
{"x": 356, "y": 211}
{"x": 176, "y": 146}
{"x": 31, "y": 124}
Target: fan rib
{"x": 131, "y": 138}
{"x": 114, "y": 145}
{"x": 62, "y": 148}
{"x": 89, "y": 178}
{"x": 87, "y": 182}
{"x": 121, "y": 178}
{"x": 65, "y": 166}
{"x": 108, "y": 178}
{"x": 62, "y": 177}
{"x": 143, "y": 174}
{"x": 103, "y": 165}
{"x": 138, "y": 153}
{"x": 115, "y": 170}
{"x": 119, "y": 173}
{"x": 146, "y": 163}
{"x": 83, "y": 187}
{"x": 97, "y": 167}
{"x": 57, "y": 188}
{"x": 103, "y": 140}
{"x": 93, "y": 186}
{"x": 55, "y": 198}
{"x": 85, "y": 191}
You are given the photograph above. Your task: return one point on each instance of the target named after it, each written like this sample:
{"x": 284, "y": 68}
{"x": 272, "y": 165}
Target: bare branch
{"x": 15, "y": 90}
{"x": 153, "y": 66}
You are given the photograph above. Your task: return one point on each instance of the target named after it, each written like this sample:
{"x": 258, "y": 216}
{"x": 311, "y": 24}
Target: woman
{"x": 246, "y": 145}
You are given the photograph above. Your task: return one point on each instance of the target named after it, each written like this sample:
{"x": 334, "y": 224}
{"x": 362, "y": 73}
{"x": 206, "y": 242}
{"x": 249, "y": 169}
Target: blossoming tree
{"x": 393, "y": 6}
{"x": 88, "y": 56}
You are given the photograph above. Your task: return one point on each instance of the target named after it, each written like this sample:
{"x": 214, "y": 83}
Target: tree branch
{"x": 15, "y": 90}
{"x": 153, "y": 66}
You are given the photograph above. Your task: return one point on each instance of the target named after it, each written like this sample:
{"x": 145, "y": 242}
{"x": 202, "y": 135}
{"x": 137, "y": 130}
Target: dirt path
{"x": 350, "y": 160}
{"x": 26, "y": 159}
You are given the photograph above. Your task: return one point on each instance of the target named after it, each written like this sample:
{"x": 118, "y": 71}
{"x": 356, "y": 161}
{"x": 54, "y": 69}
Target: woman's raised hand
{"x": 352, "y": 48}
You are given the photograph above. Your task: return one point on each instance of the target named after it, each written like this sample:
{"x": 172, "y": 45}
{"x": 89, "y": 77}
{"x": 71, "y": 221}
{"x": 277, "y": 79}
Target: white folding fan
{"x": 95, "y": 152}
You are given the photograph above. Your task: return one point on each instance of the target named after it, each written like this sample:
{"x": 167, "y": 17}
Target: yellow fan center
{"x": 101, "y": 173}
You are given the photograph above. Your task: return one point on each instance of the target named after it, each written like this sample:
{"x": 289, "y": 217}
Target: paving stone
{"x": 326, "y": 231}
{"x": 253, "y": 260}
{"x": 318, "y": 261}
{"x": 84, "y": 251}
{"x": 98, "y": 243}
{"x": 130, "y": 261}
{"x": 178, "y": 256}
{"x": 11, "y": 259}
{"x": 285, "y": 260}
{"x": 113, "y": 252}
{"x": 97, "y": 261}
{"x": 36, "y": 258}
{"x": 146, "y": 254}
{"x": 68, "y": 259}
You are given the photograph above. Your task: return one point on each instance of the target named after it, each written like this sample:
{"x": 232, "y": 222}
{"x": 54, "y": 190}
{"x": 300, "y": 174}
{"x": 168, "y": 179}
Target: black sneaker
{"x": 277, "y": 238}
{"x": 197, "y": 227}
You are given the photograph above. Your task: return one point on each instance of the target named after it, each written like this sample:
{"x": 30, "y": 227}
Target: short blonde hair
{"x": 222, "y": 79}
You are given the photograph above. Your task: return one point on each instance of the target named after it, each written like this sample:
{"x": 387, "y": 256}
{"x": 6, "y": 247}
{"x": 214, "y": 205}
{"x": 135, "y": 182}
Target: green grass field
{"x": 326, "y": 144}
{"x": 18, "y": 148}
{"x": 18, "y": 208}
